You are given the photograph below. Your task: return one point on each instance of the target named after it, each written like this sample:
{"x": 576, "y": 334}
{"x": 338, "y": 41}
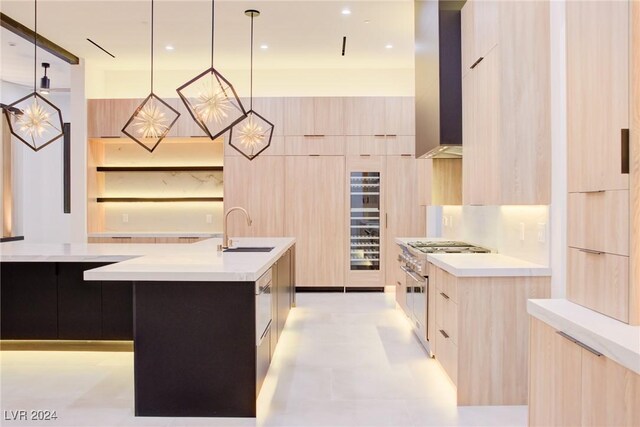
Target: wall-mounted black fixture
{"x": 66, "y": 129}
{"x": 45, "y": 82}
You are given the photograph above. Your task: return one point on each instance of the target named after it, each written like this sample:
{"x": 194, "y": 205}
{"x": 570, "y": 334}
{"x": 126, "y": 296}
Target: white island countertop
{"x": 195, "y": 262}
{"x": 618, "y": 341}
{"x": 479, "y": 265}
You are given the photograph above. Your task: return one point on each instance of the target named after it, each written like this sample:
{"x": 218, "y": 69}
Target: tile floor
{"x": 343, "y": 360}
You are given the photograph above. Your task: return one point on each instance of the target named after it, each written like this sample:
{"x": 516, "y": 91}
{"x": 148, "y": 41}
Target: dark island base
{"x": 195, "y": 349}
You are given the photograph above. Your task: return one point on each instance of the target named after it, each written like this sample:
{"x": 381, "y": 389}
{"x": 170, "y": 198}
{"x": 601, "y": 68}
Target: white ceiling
{"x": 300, "y": 34}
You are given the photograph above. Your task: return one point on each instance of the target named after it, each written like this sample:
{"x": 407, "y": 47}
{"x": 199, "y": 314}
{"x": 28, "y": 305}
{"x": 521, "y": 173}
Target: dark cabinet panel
{"x": 28, "y": 294}
{"x": 117, "y": 311}
{"x": 79, "y": 303}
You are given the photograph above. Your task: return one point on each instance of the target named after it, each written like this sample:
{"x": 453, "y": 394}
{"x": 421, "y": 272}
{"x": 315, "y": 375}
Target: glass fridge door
{"x": 365, "y": 221}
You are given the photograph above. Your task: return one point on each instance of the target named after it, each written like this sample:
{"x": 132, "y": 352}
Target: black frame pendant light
{"x": 252, "y": 135}
{"x": 154, "y": 118}
{"x": 210, "y": 98}
{"x": 34, "y": 120}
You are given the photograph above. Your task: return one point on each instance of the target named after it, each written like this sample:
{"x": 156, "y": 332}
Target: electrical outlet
{"x": 522, "y": 231}
{"x": 209, "y": 218}
{"x": 445, "y": 221}
{"x": 125, "y": 218}
{"x": 450, "y": 221}
{"x": 542, "y": 232}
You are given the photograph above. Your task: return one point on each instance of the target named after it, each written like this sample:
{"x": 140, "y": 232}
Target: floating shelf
{"x": 160, "y": 168}
{"x": 157, "y": 199}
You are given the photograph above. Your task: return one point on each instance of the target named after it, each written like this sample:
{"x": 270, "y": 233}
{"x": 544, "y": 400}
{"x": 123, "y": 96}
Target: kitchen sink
{"x": 249, "y": 249}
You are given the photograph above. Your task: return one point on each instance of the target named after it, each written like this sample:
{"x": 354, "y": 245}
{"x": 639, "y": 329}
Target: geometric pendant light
{"x": 210, "y": 98}
{"x": 253, "y": 134}
{"x": 34, "y": 120}
{"x": 154, "y": 118}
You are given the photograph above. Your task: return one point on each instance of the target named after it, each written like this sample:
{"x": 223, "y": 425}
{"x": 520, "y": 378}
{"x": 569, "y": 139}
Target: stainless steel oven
{"x": 417, "y": 303}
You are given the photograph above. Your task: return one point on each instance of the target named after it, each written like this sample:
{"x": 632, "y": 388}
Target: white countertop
{"x": 167, "y": 234}
{"x": 479, "y": 265}
{"x": 614, "y": 339}
{"x": 157, "y": 262}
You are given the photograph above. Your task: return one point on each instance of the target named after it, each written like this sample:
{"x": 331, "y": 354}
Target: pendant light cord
{"x": 251, "y": 72}
{"x": 151, "y": 46}
{"x": 213, "y": 24}
{"x": 35, "y": 46}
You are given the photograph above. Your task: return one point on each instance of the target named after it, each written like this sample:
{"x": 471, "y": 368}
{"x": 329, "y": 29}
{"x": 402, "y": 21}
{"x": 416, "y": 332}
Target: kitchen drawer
{"x": 447, "y": 355}
{"x": 401, "y": 145}
{"x": 599, "y": 281}
{"x": 447, "y": 315}
{"x": 447, "y": 284}
{"x": 600, "y": 221}
{"x": 321, "y": 145}
{"x": 366, "y": 145}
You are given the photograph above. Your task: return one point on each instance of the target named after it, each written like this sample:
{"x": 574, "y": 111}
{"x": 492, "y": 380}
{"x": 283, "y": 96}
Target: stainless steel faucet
{"x": 226, "y": 242}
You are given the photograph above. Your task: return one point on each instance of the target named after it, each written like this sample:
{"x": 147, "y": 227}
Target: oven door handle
{"x": 413, "y": 275}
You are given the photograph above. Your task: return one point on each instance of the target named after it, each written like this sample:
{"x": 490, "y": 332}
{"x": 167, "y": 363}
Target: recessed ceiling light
{"x": 169, "y": 47}
{"x": 389, "y": 46}
{"x": 367, "y": 22}
{"x": 12, "y": 44}
{"x": 264, "y": 46}
{"x": 346, "y": 11}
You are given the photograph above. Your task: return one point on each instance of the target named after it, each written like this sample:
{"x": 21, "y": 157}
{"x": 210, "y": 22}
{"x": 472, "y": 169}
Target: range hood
{"x": 438, "y": 79}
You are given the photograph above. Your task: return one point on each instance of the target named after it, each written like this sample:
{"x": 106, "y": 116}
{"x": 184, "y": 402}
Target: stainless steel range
{"x": 413, "y": 261}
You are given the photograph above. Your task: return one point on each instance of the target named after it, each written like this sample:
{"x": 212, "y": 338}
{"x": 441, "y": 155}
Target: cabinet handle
{"x": 392, "y": 136}
{"x": 365, "y": 155}
{"x": 399, "y": 284}
{"x": 624, "y": 143}
{"x": 444, "y": 334}
{"x": 386, "y": 220}
{"x": 594, "y": 192}
{"x": 592, "y": 252}
{"x": 475, "y": 64}
{"x": 314, "y": 155}
{"x": 406, "y": 155}
{"x": 379, "y": 136}
{"x": 445, "y": 296}
{"x": 314, "y": 136}
{"x": 575, "y": 341}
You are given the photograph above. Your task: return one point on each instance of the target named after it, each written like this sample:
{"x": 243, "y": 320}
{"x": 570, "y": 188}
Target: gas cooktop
{"x": 447, "y": 247}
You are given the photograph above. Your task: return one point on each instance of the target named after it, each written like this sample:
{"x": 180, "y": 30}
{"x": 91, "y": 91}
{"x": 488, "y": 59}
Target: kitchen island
{"x": 205, "y": 323}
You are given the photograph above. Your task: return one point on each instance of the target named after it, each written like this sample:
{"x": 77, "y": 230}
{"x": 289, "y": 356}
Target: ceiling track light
{"x": 154, "y": 118}
{"x": 252, "y": 135}
{"x": 210, "y": 98}
{"x": 34, "y": 120}
{"x": 45, "y": 82}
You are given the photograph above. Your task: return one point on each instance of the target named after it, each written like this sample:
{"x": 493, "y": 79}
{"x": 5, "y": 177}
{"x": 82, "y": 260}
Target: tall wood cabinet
{"x": 314, "y": 206}
{"x": 599, "y": 49}
{"x": 506, "y": 103}
{"x": 570, "y": 385}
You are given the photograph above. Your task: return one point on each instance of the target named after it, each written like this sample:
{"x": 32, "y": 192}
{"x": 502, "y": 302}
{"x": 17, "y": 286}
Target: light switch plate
{"x": 125, "y": 218}
{"x": 209, "y": 218}
{"x": 522, "y": 230}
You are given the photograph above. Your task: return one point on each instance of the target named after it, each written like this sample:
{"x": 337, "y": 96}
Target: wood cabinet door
{"x": 486, "y": 124}
{"x": 467, "y": 37}
{"x": 106, "y": 117}
{"x": 315, "y": 215}
{"x": 299, "y": 116}
{"x": 257, "y": 186}
{"x": 272, "y": 109}
{"x": 366, "y": 145}
{"x": 403, "y": 216}
{"x": 186, "y": 126}
{"x": 597, "y": 93}
{"x": 486, "y": 26}
{"x": 610, "y": 393}
{"x": 401, "y": 145}
{"x": 472, "y": 158}
{"x": 400, "y": 116}
{"x": 364, "y": 116}
{"x": 599, "y": 281}
{"x": 555, "y": 378}
{"x": 328, "y": 116}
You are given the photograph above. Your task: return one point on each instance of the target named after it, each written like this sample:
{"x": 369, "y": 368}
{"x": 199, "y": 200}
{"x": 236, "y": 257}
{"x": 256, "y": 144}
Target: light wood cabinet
{"x": 506, "y": 98}
{"x": 599, "y": 221}
{"x": 554, "y": 378}
{"x": 481, "y": 334}
{"x": 401, "y": 145}
{"x": 366, "y": 145}
{"x": 107, "y": 117}
{"x": 600, "y": 78}
{"x": 400, "y": 117}
{"x": 313, "y": 116}
{"x": 597, "y": 93}
{"x": 259, "y": 187}
{"x": 314, "y": 145}
{"x": 314, "y": 215}
{"x": 440, "y": 182}
{"x": 403, "y": 217}
{"x": 599, "y": 281}
{"x": 573, "y": 386}
{"x": 364, "y": 116}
